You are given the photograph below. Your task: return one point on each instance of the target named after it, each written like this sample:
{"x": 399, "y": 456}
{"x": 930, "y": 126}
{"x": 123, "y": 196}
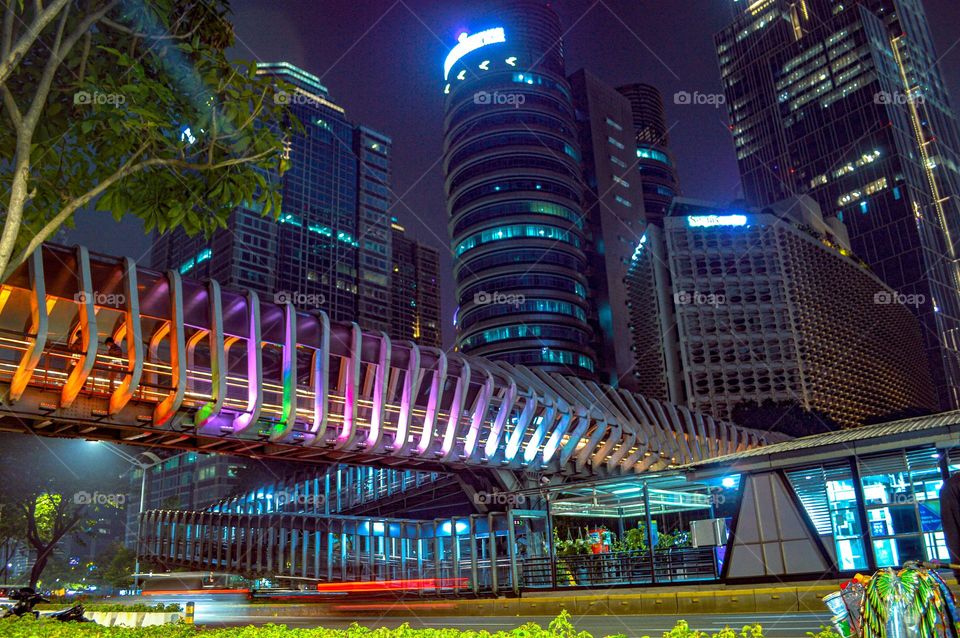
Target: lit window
{"x": 615, "y": 143}
{"x": 623, "y": 201}
{"x": 614, "y": 124}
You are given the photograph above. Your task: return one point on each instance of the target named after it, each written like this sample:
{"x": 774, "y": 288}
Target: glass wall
{"x": 900, "y": 496}
{"x": 828, "y": 494}
{"x": 901, "y": 493}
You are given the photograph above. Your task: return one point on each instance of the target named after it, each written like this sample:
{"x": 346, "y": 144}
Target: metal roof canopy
{"x": 623, "y": 498}
{"x": 941, "y": 430}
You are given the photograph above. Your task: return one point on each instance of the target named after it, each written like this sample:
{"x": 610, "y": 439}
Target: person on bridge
{"x": 950, "y": 518}
{"x": 113, "y": 350}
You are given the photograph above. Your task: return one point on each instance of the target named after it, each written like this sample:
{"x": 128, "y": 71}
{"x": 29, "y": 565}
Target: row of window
{"x": 513, "y": 185}
{"x": 548, "y": 355}
{"x": 524, "y": 331}
{"x": 531, "y": 231}
{"x": 524, "y": 207}
{"x": 514, "y": 164}
{"x": 522, "y": 306}
{"x": 526, "y": 281}
{"x": 515, "y": 138}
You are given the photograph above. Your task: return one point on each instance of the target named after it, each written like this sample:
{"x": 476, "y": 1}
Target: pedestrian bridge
{"x": 209, "y": 369}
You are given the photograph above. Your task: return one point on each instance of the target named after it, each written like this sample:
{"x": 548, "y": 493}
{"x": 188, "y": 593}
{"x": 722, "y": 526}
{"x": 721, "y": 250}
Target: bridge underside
{"x": 221, "y": 371}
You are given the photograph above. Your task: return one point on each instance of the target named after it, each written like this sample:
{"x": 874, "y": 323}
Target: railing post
{"x": 649, "y": 523}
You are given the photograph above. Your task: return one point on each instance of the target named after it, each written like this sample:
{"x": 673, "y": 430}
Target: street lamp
{"x": 154, "y": 460}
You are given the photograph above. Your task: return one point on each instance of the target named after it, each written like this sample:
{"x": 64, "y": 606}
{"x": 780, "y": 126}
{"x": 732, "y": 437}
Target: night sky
{"x": 382, "y": 61}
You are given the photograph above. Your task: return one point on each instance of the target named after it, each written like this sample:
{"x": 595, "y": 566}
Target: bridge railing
{"x": 201, "y": 366}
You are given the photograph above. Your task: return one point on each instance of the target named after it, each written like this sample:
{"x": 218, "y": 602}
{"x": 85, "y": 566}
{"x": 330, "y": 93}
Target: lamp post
{"x": 152, "y": 461}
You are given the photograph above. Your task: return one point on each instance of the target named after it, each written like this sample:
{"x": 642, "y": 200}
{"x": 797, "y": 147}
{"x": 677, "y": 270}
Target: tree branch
{"x": 13, "y": 54}
{"x": 147, "y": 36}
{"x": 10, "y": 105}
{"x": 129, "y": 168}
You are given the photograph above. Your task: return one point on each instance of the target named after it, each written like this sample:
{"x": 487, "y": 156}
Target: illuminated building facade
{"x": 655, "y": 163}
{"x": 330, "y": 247}
{"x": 614, "y": 215}
{"x": 513, "y": 183}
{"x": 415, "y": 290}
{"x": 772, "y": 304}
{"x": 845, "y": 102}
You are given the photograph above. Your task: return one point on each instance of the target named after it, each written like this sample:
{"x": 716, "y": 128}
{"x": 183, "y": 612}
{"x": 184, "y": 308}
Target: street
{"x": 228, "y": 611}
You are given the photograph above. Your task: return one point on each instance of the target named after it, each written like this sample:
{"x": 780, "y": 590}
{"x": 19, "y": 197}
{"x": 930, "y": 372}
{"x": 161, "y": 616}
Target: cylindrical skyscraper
{"x": 658, "y": 173}
{"x": 514, "y": 193}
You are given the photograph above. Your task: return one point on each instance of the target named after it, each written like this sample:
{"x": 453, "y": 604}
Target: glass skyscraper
{"x": 655, "y": 163}
{"x": 330, "y": 248}
{"x": 844, "y": 102}
{"x": 514, "y": 193}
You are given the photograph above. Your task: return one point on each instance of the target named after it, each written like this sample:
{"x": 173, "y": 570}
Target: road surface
{"x": 232, "y": 611}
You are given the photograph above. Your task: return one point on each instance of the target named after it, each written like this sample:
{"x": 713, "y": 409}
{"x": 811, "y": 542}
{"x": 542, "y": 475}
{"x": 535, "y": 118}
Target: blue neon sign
{"x": 470, "y": 43}
{"x": 709, "y": 221}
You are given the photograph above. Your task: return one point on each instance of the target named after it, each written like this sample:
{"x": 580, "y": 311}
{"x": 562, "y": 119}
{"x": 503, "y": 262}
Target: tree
{"x": 115, "y": 566}
{"x": 786, "y": 417}
{"x": 134, "y": 109}
{"x": 41, "y": 504}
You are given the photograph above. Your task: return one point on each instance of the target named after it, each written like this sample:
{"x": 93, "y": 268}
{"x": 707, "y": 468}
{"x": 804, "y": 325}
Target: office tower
{"x": 655, "y": 163}
{"x": 514, "y": 193}
{"x": 614, "y": 215}
{"x": 415, "y": 290}
{"x": 844, "y": 101}
{"x": 330, "y": 247}
{"x": 185, "y": 481}
{"x": 772, "y": 304}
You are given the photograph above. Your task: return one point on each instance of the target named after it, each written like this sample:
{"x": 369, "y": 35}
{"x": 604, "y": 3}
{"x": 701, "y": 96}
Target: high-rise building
{"x": 613, "y": 215}
{"x": 845, "y": 102}
{"x": 186, "y": 481}
{"x": 655, "y": 163}
{"x": 514, "y": 189}
{"x": 415, "y": 290}
{"x": 772, "y": 304}
{"x": 330, "y": 247}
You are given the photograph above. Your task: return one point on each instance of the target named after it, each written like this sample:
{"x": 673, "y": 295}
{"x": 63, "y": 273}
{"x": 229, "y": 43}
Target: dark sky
{"x": 382, "y": 61}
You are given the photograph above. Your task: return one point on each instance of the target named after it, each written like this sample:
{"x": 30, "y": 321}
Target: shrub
{"x": 560, "y": 627}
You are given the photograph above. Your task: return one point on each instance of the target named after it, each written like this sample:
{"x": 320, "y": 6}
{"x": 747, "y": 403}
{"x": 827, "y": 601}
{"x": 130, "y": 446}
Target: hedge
{"x": 560, "y": 627}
